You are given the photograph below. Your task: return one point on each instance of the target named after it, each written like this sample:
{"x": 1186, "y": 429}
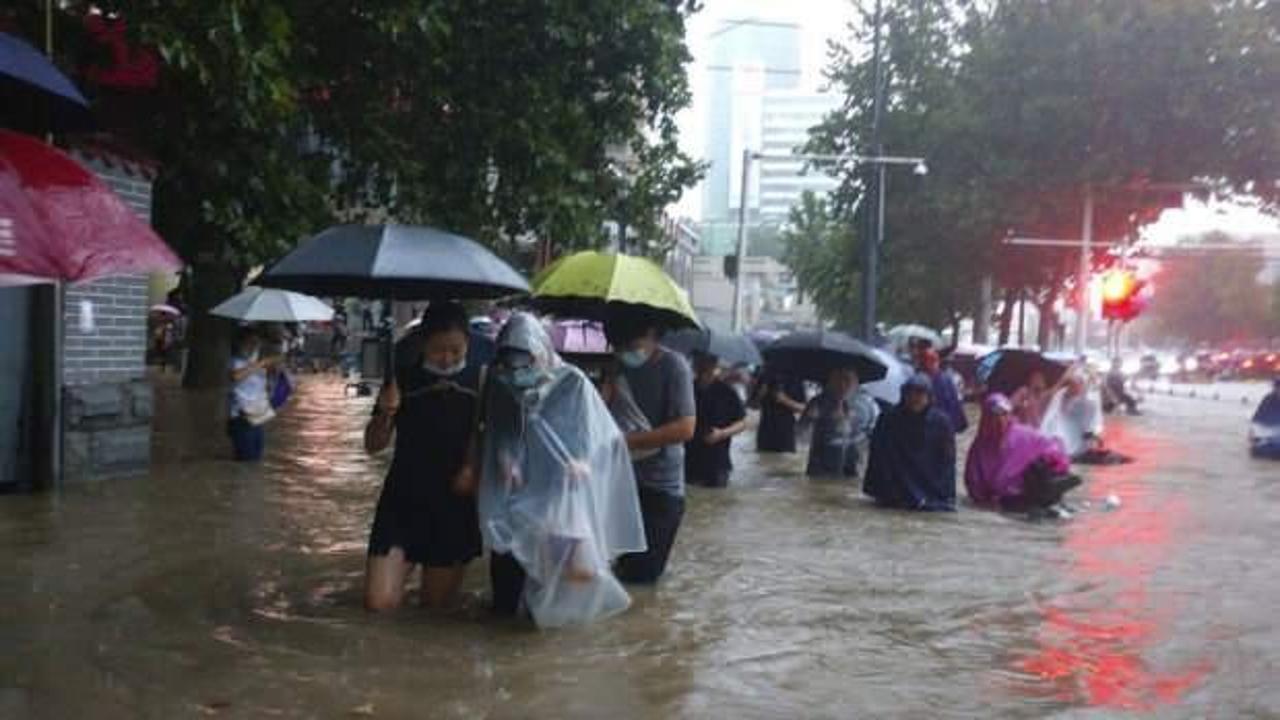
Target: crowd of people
{"x": 575, "y": 484}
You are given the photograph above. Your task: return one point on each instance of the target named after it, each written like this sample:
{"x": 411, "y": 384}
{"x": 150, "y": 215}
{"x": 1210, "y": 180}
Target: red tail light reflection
{"x": 1092, "y": 645}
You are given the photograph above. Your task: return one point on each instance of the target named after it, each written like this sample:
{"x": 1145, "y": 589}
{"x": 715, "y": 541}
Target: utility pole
{"x": 1082, "y": 280}
{"x": 875, "y": 218}
{"x": 742, "y": 241}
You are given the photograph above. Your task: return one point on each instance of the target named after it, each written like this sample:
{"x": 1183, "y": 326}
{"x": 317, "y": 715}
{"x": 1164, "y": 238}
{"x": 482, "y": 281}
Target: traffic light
{"x": 731, "y": 267}
{"x": 1122, "y": 295}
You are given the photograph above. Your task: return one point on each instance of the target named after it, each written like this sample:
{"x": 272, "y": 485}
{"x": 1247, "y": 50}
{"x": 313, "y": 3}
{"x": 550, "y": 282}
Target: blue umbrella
{"x": 34, "y": 94}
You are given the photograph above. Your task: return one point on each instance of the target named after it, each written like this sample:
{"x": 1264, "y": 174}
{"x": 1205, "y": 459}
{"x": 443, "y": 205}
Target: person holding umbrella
{"x": 781, "y": 398}
{"x": 842, "y": 417}
{"x": 661, "y": 385}
{"x": 913, "y": 454}
{"x": 248, "y": 405}
{"x": 426, "y": 514}
{"x": 721, "y": 416}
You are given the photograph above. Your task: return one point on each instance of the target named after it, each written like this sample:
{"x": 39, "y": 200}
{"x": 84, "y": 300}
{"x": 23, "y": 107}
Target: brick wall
{"x": 114, "y": 349}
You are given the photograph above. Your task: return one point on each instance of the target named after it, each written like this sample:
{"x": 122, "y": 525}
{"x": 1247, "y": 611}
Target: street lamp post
{"x": 870, "y": 270}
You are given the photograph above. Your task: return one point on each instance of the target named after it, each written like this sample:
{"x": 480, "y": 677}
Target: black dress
{"x": 418, "y": 510}
{"x": 718, "y": 407}
{"x": 777, "y": 430}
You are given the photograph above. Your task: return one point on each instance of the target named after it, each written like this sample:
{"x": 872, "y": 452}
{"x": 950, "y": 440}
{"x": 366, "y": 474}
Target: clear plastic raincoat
{"x": 557, "y": 490}
{"x": 1073, "y": 420}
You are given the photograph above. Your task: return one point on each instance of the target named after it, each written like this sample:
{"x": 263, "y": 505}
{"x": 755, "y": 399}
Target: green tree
{"x": 503, "y": 119}
{"x": 816, "y": 243}
{"x": 1213, "y": 298}
{"x": 1019, "y": 106}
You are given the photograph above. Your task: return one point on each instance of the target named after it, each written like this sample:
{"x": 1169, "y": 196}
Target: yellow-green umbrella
{"x": 587, "y": 284}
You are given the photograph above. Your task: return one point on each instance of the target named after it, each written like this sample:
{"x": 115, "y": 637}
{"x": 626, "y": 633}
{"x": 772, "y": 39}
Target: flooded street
{"x": 212, "y": 589}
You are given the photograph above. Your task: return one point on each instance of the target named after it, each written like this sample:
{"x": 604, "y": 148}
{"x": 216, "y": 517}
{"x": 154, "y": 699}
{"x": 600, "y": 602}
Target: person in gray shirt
{"x": 661, "y": 384}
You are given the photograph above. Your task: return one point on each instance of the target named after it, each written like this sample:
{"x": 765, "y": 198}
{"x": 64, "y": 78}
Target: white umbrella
{"x": 165, "y": 309}
{"x": 901, "y": 335}
{"x": 889, "y": 388}
{"x": 257, "y": 304}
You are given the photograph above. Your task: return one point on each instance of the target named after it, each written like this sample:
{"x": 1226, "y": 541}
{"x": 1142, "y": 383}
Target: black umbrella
{"x": 813, "y": 355}
{"x": 34, "y": 95}
{"x": 400, "y": 262}
{"x": 1006, "y": 370}
{"x": 731, "y": 348}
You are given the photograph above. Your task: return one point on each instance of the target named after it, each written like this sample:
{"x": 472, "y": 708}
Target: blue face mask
{"x": 523, "y": 377}
{"x": 633, "y": 358}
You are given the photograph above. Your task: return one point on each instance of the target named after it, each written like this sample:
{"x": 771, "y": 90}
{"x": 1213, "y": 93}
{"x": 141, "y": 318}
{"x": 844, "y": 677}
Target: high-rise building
{"x": 758, "y": 102}
{"x": 784, "y": 129}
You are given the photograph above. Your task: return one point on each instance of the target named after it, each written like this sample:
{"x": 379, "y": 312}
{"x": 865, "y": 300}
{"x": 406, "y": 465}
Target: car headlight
{"x": 1190, "y": 365}
{"x": 1168, "y": 366}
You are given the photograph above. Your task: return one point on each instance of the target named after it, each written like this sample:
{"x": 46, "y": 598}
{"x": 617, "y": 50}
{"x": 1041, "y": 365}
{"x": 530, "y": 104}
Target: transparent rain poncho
{"x": 556, "y": 487}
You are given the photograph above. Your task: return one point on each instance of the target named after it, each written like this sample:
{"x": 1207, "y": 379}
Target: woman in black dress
{"x": 781, "y": 399}
{"x": 426, "y": 514}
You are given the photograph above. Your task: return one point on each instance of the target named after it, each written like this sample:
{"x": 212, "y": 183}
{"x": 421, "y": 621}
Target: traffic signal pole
{"x": 1082, "y": 280}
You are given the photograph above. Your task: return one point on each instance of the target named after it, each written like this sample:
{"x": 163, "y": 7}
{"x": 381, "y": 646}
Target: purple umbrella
{"x": 579, "y": 337}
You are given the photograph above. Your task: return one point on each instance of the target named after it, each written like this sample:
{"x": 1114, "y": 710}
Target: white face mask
{"x": 634, "y": 358}
{"x": 449, "y": 371}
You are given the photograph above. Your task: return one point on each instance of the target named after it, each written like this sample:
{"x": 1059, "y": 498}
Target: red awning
{"x": 58, "y": 221}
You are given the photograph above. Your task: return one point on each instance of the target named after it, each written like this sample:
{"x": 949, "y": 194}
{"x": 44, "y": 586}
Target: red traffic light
{"x": 1120, "y": 295}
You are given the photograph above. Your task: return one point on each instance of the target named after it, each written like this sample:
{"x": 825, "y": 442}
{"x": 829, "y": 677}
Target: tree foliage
{"x": 1214, "y": 298}
{"x": 501, "y": 119}
{"x": 1019, "y": 106}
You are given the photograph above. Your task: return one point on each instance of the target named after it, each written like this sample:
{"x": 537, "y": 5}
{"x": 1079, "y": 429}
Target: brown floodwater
{"x": 211, "y": 589}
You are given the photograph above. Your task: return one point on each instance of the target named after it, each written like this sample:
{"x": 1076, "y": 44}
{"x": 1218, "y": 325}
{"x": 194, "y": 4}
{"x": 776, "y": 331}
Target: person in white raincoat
{"x": 1074, "y": 416}
{"x": 557, "y": 497}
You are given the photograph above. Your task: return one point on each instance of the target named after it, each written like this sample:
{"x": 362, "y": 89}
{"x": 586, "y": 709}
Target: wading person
{"x": 248, "y": 404}
{"x": 720, "y": 416}
{"x": 661, "y": 385}
{"x": 945, "y": 396}
{"x": 1074, "y": 417}
{"x": 425, "y": 514}
{"x": 842, "y": 416}
{"x": 557, "y": 496}
{"x": 781, "y": 399}
{"x": 1031, "y": 400}
{"x": 1013, "y": 467}
{"x": 913, "y": 453}
{"x": 1114, "y": 390}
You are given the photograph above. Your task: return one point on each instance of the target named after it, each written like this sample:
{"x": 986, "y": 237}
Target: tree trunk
{"x": 1048, "y": 323}
{"x": 1006, "y": 315}
{"x": 208, "y": 337}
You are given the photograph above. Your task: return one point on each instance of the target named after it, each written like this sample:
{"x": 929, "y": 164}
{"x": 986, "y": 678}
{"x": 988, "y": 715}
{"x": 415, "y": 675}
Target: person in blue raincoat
{"x": 945, "y": 396}
{"x": 558, "y": 499}
{"x": 913, "y": 453}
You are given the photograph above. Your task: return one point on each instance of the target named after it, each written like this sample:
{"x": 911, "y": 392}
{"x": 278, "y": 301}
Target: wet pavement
{"x": 210, "y": 589}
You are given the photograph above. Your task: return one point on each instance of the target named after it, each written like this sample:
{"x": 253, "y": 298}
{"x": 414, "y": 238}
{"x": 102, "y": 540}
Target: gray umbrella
{"x": 401, "y": 262}
{"x": 731, "y": 348}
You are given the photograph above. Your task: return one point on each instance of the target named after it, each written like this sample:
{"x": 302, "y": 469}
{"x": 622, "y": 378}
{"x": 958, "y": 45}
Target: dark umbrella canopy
{"x": 813, "y": 355}
{"x": 1004, "y": 371}
{"x": 401, "y": 262}
{"x": 731, "y": 348}
{"x": 34, "y": 95}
